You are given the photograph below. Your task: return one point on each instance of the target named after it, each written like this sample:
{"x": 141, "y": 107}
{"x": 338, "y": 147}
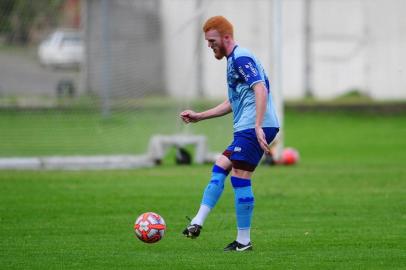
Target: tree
{"x": 6, "y": 7}
{"x": 18, "y": 16}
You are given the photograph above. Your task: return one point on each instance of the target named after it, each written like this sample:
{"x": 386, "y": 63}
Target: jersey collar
{"x": 232, "y": 52}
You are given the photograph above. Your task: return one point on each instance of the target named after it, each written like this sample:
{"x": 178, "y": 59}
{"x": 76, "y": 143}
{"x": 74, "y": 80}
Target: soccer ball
{"x": 290, "y": 156}
{"x": 149, "y": 227}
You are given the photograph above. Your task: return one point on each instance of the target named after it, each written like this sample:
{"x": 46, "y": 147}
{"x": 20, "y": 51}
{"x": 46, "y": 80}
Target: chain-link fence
{"x": 107, "y": 75}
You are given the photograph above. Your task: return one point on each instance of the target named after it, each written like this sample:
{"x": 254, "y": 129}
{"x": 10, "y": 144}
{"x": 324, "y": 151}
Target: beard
{"x": 220, "y": 52}
{"x": 218, "y": 56}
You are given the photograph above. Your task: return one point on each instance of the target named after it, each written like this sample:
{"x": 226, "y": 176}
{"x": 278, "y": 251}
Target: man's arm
{"x": 261, "y": 97}
{"x": 190, "y": 116}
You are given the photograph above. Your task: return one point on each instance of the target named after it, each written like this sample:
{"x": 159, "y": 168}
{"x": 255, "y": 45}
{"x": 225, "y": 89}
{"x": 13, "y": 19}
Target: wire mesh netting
{"x": 90, "y": 77}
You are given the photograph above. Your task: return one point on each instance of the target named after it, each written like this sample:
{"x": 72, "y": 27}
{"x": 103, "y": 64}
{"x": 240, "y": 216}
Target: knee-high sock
{"x": 211, "y": 194}
{"x": 244, "y": 205}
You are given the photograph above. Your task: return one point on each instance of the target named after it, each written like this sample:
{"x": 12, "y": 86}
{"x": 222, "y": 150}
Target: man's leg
{"x": 244, "y": 205}
{"x": 245, "y": 157}
{"x": 211, "y": 195}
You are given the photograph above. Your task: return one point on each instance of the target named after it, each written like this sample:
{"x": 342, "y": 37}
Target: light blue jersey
{"x": 243, "y": 72}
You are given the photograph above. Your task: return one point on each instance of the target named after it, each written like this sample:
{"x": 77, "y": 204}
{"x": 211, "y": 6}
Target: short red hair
{"x": 219, "y": 23}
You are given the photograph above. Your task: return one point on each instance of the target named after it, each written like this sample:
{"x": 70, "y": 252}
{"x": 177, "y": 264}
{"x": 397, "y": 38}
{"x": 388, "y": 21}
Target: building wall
{"x": 386, "y": 54}
{"x": 355, "y": 45}
{"x": 157, "y": 46}
{"x": 186, "y": 52}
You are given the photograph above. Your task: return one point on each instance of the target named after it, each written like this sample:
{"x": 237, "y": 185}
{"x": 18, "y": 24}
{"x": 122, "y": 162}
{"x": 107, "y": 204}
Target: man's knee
{"x": 242, "y": 169}
{"x": 224, "y": 162}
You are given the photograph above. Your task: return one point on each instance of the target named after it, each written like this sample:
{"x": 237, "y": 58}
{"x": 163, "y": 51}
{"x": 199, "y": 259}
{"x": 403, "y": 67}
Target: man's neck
{"x": 230, "y": 48}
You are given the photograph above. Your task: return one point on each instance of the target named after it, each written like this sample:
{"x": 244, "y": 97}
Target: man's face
{"x": 215, "y": 42}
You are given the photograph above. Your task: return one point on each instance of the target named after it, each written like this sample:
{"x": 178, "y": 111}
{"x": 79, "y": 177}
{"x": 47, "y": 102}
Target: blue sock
{"x": 215, "y": 187}
{"x": 244, "y": 201}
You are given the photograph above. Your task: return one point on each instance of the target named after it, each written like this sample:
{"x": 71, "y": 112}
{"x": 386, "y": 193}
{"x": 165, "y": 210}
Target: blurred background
{"x": 91, "y": 77}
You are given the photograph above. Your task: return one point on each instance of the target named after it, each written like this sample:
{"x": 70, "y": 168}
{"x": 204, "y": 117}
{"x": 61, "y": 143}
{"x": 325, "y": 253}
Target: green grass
{"x": 342, "y": 207}
{"x": 42, "y": 133}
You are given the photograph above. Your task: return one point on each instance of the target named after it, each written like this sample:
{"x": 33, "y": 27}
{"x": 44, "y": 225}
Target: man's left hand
{"x": 261, "y": 140}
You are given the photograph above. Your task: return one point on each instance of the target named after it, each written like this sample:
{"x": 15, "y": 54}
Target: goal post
{"x": 277, "y": 75}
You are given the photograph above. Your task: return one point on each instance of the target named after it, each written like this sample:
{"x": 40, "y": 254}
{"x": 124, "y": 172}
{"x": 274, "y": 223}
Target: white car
{"x": 63, "y": 48}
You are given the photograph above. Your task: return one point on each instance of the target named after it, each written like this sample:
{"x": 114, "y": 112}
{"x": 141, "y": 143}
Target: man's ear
{"x": 227, "y": 38}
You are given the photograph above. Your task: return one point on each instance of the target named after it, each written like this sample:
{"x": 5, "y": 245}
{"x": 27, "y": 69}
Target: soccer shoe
{"x": 192, "y": 231}
{"x": 235, "y": 246}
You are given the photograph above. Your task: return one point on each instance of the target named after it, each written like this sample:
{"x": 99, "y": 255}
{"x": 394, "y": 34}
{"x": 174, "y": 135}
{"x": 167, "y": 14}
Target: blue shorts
{"x": 245, "y": 148}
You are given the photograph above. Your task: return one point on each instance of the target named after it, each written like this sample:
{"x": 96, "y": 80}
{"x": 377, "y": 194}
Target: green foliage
{"x": 354, "y": 95}
{"x": 6, "y": 6}
{"x": 17, "y": 17}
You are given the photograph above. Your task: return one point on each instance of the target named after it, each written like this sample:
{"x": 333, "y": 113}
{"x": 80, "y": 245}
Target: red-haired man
{"x": 255, "y": 127}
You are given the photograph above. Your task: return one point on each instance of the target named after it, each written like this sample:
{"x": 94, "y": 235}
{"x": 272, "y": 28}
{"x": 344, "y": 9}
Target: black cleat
{"x": 235, "y": 246}
{"x": 192, "y": 231}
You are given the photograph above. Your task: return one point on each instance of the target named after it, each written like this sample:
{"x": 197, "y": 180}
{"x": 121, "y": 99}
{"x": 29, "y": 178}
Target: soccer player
{"x": 255, "y": 127}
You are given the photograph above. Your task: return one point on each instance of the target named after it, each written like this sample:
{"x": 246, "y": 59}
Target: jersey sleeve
{"x": 248, "y": 70}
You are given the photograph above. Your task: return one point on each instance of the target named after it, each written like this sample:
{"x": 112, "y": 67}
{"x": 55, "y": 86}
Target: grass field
{"x": 342, "y": 207}
{"x": 43, "y": 133}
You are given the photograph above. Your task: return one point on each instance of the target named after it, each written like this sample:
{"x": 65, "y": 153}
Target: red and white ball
{"x": 150, "y": 227}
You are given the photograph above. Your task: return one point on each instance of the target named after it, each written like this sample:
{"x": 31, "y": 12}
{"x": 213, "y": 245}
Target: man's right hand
{"x": 190, "y": 116}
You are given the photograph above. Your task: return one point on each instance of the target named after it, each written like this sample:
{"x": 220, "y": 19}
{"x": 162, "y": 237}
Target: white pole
{"x": 106, "y": 60}
{"x": 276, "y": 80}
{"x": 308, "y": 87}
{"x": 199, "y": 56}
